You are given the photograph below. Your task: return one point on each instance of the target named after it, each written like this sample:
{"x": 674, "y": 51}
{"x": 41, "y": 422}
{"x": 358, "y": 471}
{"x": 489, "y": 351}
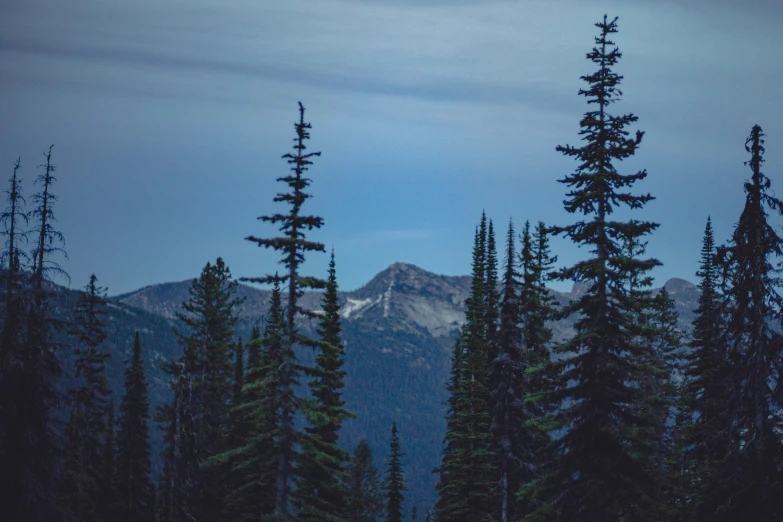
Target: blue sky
{"x": 169, "y": 119}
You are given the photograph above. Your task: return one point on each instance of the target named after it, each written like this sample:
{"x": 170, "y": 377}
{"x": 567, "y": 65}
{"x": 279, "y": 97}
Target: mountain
{"x": 399, "y": 331}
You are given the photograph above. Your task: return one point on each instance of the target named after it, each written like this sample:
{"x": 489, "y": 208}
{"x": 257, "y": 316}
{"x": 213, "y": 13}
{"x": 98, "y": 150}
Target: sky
{"x": 170, "y": 117}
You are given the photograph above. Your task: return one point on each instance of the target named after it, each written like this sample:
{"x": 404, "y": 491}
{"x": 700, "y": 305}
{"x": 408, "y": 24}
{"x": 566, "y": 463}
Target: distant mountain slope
{"x": 399, "y": 331}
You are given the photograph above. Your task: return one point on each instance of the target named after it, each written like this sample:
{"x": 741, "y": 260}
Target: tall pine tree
{"x": 363, "y": 488}
{"x": 135, "y": 493}
{"x": 597, "y": 392}
{"x": 29, "y": 450}
{"x": 395, "y": 482}
{"x": 203, "y": 392}
{"x": 702, "y": 439}
{"x": 84, "y": 458}
{"x": 320, "y": 492}
{"x": 753, "y": 474}
{"x": 293, "y": 246}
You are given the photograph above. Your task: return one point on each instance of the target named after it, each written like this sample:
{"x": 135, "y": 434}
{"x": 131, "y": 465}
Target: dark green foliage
{"x": 507, "y": 373}
{"x": 202, "y": 381}
{"x": 252, "y": 478}
{"x": 531, "y": 335}
{"x": 752, "y": 475}
{"x": 293, "y": 246}
{"x": 596, "y": 474}
{"x": 468, "y": 472}
{"x": 363, "y": 488}
{"x": 84, "y": 458}
{"x": 702, "y": 438}
{"x": 320, "y": 495}
{"x": 31, "y": 369}
{"x": 394, "y": 483}
{"x": 107, "y": 494}
{"x": 135, "y": 493}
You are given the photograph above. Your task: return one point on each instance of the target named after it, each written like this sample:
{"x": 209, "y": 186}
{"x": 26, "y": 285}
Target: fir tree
{"x": 28, "y": 453}
{"x": 703, "y": 441}
{"x": 84, "y": 459}
{"x": 394, "y": 483}
{"x": 753, "y": 473}
{"x": 536, "y": 308}
{"x": 597, "y": 393}
{"x": 467, "y": 473}
{"x": 135, "y": 493}
{"x": 507, "y": 372}
{"x": 363, "y": 488}
{"x": 293, "y": 246}
{"x": 203, "y": 391}
{"x": 491, "y": 296}
{"x": 320, "y": 494}
{"x": 253, "y": 462}
{"x": 107, "y": 498}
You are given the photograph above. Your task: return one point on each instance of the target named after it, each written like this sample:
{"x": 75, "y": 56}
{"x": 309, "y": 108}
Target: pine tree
{"x": 753, "y": 473}
{"x": 203, "y": 392}
{"x": 320, "y": 495}
{"x": 253, "y": 462}
{"x": 363, "y": 488}
{"x": 702, "y": 440}
{"x": 135, "y": 493}
{"x": 293, "y": 246}
{"x": 467, "y": 473}
{"x": 107, "y": 497}
{"x": 491, "y": 297}
{"x": 84, "y": 460}
{"x": 29, "y": 450}
{"x": 536, "y": 308}
{"x": 507, "y": 373}
{"x": 394, "y": 483}
{"x": 597, "y": 393}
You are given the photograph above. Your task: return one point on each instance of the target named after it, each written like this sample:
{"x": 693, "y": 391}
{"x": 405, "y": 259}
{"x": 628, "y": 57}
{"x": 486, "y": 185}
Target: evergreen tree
{"x": 135, "y": 493}
{"x": 753, "y": 472}
{"x": 363, "y": 488}
{"x": 293, "y": 246}
{"x": 468, "y": 474}
{"x": 414, "y": 513}
{"x": 702, "y": 438}
{"x": 394, "y": 483}
{"x": 597, "y": 393}
{"x": 253, "y": 462}
{"x": 491, "y": 296}
{"x": 507, "y": 373}
{"x": 320, "y": 494}
{"x": 28, "y": 453}
{"x": 107, "y": 498}
{"x": 536, "y": 308}
{"x": 84, "y": 459}
{"x": 203, "y": 392}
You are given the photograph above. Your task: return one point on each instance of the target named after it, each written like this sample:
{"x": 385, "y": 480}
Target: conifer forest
{"x": 633, "y": 415}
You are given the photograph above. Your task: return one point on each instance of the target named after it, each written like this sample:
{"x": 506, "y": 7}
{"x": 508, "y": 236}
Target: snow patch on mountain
{"x": 356, "y": 306}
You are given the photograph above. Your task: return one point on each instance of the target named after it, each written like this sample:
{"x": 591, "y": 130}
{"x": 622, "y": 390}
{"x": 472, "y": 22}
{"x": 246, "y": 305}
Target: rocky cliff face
{"x": 399, "y": 331}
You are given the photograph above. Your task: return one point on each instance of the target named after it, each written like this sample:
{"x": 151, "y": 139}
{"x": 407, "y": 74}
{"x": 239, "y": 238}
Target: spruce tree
{"x": 203, "y": 391}
{"x": 320, "y": 495}
{"x": 753, "y": 472}
{"x": 703, "y": 441}
{"x": 597, "y": 390}
{"x": 507, "y": 373}
{"x": 293, "y": 246}
{"x": 107, "y": 497}
{"x": 468, "y": 472}
{"x": 253, "y": 462}
{"x": 29, "y": 450}
{"x": 84, "y": 459}
{"x": 135, "y": 493}
{"x": 536, "y": 309}
{"x": 363, "y": 488}
{"x": 394, "y": 483}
